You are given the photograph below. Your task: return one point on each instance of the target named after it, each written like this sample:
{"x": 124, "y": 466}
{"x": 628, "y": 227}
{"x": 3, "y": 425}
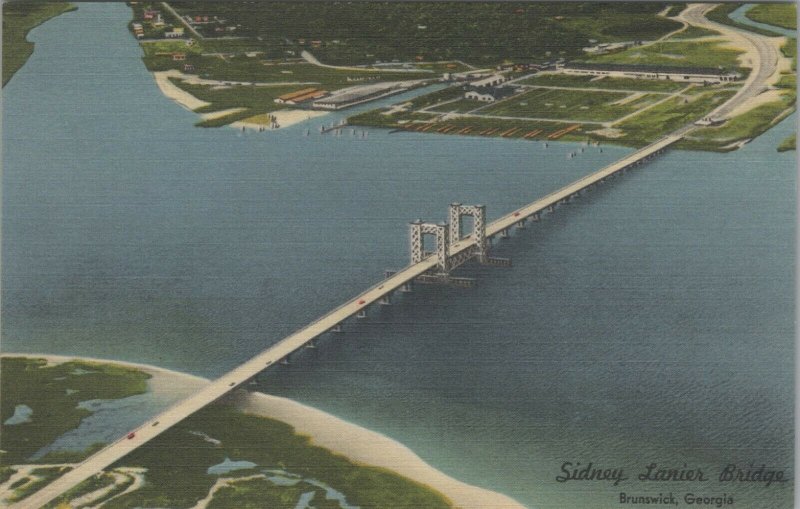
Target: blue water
{"x": 228, "y": 466}
{"x": 22, "y": 414}
{"x": 740, "y": 16}
{"x": 650, "y": 320}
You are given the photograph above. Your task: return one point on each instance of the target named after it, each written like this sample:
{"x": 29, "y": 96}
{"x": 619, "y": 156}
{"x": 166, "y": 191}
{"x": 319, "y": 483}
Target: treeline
{"x": 478, "y": 33}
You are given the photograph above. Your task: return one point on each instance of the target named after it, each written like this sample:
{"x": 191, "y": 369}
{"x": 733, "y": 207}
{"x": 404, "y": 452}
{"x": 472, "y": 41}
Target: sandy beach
{"x": 359, "y": 444}
{"x": 285, "y": 118}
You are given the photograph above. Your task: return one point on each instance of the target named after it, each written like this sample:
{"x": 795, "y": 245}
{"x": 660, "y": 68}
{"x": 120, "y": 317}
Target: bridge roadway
{"x": 280, "y": 350}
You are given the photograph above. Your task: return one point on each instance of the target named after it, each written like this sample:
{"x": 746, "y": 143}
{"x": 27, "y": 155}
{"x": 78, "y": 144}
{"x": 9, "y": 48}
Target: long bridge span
{"x": 452, "y": 250}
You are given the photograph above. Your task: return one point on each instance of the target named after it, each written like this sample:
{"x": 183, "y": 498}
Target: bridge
{"x": 452, "y": 250}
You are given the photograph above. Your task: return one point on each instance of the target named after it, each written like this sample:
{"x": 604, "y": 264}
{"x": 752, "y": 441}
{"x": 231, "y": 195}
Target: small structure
{"x": 651, "y": 72}
{"x": 489, "y": 94}
{"x": 178, "y": 57}
{"x": 491, "y": 81}
{"x": 188, "y": 68}
{"x": 285, "y": 98}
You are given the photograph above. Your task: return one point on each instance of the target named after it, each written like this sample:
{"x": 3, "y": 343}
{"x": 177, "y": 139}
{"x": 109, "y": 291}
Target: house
{"x": 651, "y": 72}
{"x": 158, "y": 21}
{"x": 150, "y": 14}
{"x": 178, "y": 57}
{"x": 188, "y": 68}
{"x": 173, "y": 34}
{"x": 489, "y": 94}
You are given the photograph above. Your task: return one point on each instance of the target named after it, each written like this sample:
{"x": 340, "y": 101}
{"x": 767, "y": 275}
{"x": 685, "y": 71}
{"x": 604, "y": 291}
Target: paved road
{"x": 242, "y": 374}
{"x": 185, "y": 23}
{"x": 764, "y": 65}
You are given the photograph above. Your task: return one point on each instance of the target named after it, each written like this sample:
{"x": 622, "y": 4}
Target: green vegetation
{"x": 177, "y": 463}
{"x": 789, "y": 143}
{"x": 779, "y": 15}
{"x": 459, "y": 105}
{"x": 572, "y": 105}
{"x": 18, "y": 19}
{"x": 41, "y": 478}
{"x": 720, "y": 15}
{"x": 43, "y": 388}
{"x": 363, "y": 33}
{"x": 676, "y": 53}
{"x": 566, "y": 80}
{"x": 742, "y": 127}
{"x": 670, "y": 115}
{"x": 693, "y": 32}
{"x": 6, "y": 473}
{"x": 675, "y": 9}
{"x": 94, "y": 483}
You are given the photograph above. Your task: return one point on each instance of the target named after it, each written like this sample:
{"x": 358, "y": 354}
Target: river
{"x": 649, "y": 321}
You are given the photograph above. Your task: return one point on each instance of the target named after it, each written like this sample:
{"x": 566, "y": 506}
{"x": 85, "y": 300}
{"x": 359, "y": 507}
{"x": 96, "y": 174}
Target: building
{"x": 491, "y": 81}
{"x": 650, "y": 72}
{"x": 489, "y": 94}
{"x": 285, "y": 98}
{"x": 178, "y": 57}
{"x": 351, "y": 96}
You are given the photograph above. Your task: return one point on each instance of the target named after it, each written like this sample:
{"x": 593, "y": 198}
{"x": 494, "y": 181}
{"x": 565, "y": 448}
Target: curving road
{"x": 765, "y": 63}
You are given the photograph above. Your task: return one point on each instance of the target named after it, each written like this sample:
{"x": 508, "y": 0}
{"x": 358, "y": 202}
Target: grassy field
{"x": 177, "y": 464}
{"x": 42, "y": 388}
{"x": 18, "y": 19}
{"x": 693, "y": 32}
{"x": 577, "y": 105}
{"x": 41, "y": 478}
{"x": 668, "y": 116}
{"x": 565, "y": 80}
{"x": 720, "y": 15}
{"x": 677, "y": 53}
{"x": 743, "y": 127}
{"x": 359, "y": 33}
{"x": 459, "y": 106}
{"x": 779, "y": 15}
{"x": 789, "y": 143}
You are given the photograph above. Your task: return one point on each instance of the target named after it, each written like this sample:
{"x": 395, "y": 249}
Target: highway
{"x": 764, "y": 66}
{"x": 241, "y": 375}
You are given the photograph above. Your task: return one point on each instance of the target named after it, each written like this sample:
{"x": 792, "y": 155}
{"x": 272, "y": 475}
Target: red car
{"x": 516, "y": 214}
{"x": 131, "y": 435}
{"x": 362, "y": 301}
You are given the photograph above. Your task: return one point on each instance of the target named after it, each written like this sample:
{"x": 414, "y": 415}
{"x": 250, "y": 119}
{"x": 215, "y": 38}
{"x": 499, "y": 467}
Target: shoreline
{"x": 360, "y": 445}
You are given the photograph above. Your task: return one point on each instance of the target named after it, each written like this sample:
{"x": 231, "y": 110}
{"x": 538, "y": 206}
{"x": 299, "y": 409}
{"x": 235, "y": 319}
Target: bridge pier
{"x": 386, "y": 300}
{"x": 504, "y": 233}
{"x": 406, "y": 287}
{"x": 285, "y": 360}
{"x": 549, "y": 208}
{"x": 535, "y": 217}
{"x": 311, "y": 344}
{"x": 521, "y": 224}
{"x": 389, "y": 273}
{"x": 337, "y": 328}
{"x": 362, "y": 313}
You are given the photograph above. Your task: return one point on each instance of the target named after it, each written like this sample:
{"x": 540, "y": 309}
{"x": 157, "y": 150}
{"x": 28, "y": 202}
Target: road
{"x": 764, "y": 61}
{"x": 241, "y": 375}
{"x": 179, "y": 18}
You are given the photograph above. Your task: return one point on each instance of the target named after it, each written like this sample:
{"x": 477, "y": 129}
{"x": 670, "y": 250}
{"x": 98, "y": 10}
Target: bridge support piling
{"x": 337, "y": 328}
{"x": 521, "y": 224}
{"x": 504, "y": 233}
{"x": 386, "y": 300}
{"x": 535, "y": 217}
{"x": 406, "y": 287}
{"x": 311, "y": 344}
{"x": 362, "y": 313}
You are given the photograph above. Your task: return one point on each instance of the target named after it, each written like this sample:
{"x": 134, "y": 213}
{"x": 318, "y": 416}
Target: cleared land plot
{"x": 578, "y": 105}
{"x": 566, "y": 80}
{"x": 676, "y": 53}
{"x": 780, "y": 15}
{"x": 497, "y": 128}
{"x": 459, "y": 106}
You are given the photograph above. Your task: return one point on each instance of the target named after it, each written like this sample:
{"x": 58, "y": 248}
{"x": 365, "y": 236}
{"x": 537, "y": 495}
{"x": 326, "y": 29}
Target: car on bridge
{"x": 131, "y": 435}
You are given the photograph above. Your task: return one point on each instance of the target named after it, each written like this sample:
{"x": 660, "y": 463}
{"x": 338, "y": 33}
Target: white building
{"x": 650, "y": 72}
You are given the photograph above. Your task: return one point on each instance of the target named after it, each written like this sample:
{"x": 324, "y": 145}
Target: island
{"x": 623, "y": 73}
{"x": 249, "y": 450}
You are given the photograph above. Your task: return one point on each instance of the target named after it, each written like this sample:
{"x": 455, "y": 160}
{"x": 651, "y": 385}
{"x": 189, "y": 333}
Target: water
{"x": 649, "y": 321}
{"x": 739, "y": 15}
